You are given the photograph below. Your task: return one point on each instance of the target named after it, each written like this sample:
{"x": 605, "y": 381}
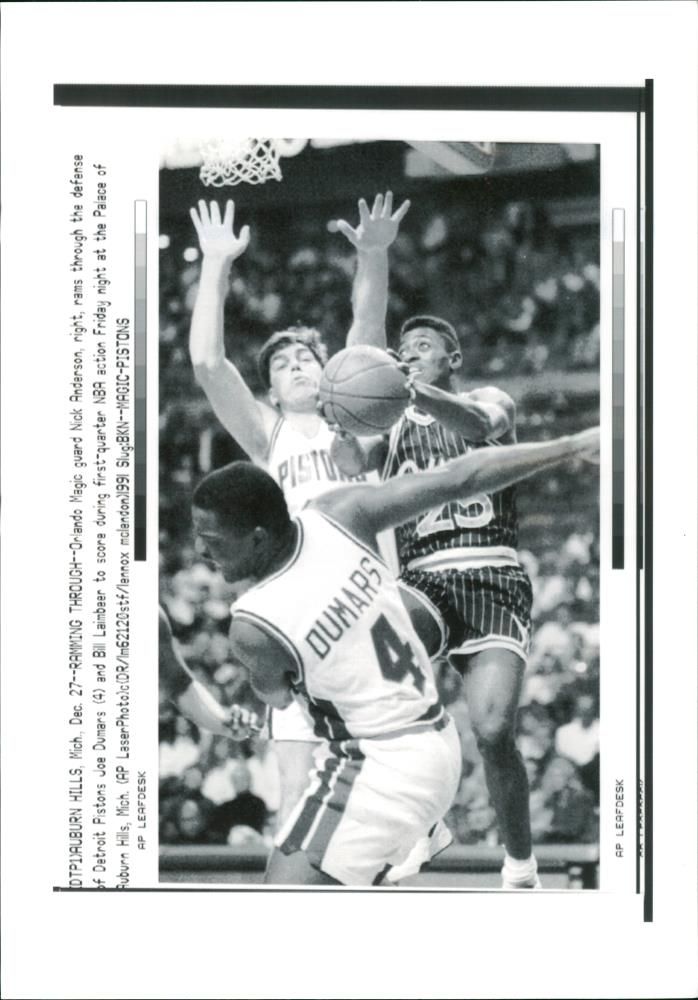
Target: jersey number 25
{"x": 452, "y": 516}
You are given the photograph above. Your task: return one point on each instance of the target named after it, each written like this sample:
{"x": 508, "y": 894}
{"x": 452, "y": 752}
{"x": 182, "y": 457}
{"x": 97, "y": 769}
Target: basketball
{"x": 363, "y": 391}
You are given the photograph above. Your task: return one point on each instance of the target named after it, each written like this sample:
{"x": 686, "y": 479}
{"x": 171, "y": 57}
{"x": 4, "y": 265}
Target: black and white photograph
{"x": 349, "y": 486}
{"x": 336, "y": 315}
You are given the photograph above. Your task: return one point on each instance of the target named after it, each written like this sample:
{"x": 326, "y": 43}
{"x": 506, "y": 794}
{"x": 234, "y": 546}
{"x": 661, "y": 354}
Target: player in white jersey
{"x": 287, "y": 437}
{"x": 324, "y": 624}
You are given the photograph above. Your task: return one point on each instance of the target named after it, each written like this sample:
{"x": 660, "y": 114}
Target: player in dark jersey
{"x": 462, "y": 556}
{"x": 479, "y": 535}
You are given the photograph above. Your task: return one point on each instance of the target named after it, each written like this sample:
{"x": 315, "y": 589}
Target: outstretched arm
{"x": 191, "y": 697}
{"x": 233, "y": 403}
{"x": 481, "y": 415}
{"x": 367, "y": 510}
{"x": 377, "y": 229}
{"x": 375, "y": 232}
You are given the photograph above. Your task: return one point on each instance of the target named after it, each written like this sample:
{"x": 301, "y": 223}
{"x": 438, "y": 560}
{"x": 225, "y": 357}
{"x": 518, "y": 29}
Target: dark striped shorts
{"x": 481, "y": 608}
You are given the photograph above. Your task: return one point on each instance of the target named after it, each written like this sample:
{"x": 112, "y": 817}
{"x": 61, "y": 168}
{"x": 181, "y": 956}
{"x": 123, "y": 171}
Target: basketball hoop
{"x": 249, "y": 161}
{"x": 460, "y": 158}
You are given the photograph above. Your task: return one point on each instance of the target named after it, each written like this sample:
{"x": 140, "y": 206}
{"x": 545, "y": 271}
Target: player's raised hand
{"x": 217, "y": 237}
{"x": 241, "y": 723}
{"x": 377, "y": 227}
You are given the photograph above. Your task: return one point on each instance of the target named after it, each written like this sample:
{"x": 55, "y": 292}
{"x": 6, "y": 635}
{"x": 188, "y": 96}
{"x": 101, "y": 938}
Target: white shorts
{"x": 370, "y": 800}
{"x": 291, "y": 723}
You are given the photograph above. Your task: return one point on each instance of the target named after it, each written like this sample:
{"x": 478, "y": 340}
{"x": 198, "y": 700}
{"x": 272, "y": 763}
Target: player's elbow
{"x": 275, "y": 697}
{"x": 480, "y": 429}
{"x": 279, "y": 699}
{"x": 489, "y": 420}
{"x": 206, "y": 369}
{"x": 490, "y": 424}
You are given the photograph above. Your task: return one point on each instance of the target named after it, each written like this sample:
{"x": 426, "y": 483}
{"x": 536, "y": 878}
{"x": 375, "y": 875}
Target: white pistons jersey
{"x": 362, "y": 671}
{"x": 304, "y": 469}
{"x": 303, "y": 466}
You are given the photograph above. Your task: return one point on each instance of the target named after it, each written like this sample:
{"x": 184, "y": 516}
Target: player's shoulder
{"x": 348, "y": 508}
{"x": 249, "y": 637}
{"x": 275, "y": 425}
{"x": 491, "y": 395}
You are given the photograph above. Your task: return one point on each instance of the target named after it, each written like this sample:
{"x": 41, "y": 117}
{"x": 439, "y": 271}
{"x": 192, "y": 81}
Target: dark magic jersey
{"x": 420, "y": 442}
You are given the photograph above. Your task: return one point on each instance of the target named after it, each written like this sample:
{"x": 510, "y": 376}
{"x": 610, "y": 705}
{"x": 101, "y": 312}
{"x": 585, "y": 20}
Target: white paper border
{"x": 219, "y": 945}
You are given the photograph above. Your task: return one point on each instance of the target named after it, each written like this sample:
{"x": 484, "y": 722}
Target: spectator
{"x": 192, "y": 821}
{"x": 245, "y": 809}
{"x": 579, "y": 740}
{"x": 562, "y": 810}
{"x": 180, "y": 752}
{"x": 218, "y": 785}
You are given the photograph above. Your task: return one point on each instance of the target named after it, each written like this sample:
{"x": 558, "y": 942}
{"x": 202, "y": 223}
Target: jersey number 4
{"x": 395, "y": 657}
{"x": 452, "y": 516}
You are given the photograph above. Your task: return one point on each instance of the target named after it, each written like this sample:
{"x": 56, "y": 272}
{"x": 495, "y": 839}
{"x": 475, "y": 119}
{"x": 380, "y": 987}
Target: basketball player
{"x": 288, "y": 438}
{"x": 191, "y": 697}
{"x": 324, "y": 623}
{"x": 462, "y": 556}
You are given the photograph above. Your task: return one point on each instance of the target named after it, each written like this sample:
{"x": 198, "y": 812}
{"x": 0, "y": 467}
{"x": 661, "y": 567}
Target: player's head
{"x": 290, "y": 365}
{"x": 240, "y": 517}
{"x": 430, "y": 347}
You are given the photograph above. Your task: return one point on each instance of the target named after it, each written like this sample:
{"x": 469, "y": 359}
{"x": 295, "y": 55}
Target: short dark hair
{"x": 243, "y": 497}
{"x": 308, "y": 336}
{"x": 440, "y": 326}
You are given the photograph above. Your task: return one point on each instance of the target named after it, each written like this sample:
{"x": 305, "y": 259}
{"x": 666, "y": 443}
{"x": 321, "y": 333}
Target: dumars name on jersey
{"x": 356, "y": 595}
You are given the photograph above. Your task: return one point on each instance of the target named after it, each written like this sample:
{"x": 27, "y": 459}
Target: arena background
{"x": 508, "y": 251}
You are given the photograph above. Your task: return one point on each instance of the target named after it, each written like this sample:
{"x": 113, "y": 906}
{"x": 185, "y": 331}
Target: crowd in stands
{"x": 522, "y": 293}
{"x": 524, "y": 298}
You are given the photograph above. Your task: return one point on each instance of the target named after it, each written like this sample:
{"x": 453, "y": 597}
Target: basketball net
{"x": 249, "y": 161}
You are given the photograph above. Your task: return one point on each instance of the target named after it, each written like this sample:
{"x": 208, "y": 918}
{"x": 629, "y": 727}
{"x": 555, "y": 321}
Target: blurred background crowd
{"x": 514, "y": 265}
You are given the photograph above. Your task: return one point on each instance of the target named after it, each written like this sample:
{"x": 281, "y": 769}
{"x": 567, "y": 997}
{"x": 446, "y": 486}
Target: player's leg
{"x": 366, "y": 803}
{"x": 429, "y": 625}
{"x": 296, "y": 763}
{"x": 492, "y": 678}
{"x": 426, "y": 619}
{"x": 294, "y": 869}
{"x": 295, "y": 759}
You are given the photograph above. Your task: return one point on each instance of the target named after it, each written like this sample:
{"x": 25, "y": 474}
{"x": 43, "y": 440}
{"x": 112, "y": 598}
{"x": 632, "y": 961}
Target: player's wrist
{"x": 215, "y": 264}
{"x": 420, "y": 393}
{"x": 348, "y": 453}
{"x": 372, "y": 250}
{"x": 198, "y": 704}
